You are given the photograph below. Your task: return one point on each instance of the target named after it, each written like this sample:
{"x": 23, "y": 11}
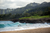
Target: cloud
{"x": 17, "y": 3}
{"x": 47, "y": 0}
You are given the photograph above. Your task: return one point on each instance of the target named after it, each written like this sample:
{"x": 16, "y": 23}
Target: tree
{"x": 26, "y": 15}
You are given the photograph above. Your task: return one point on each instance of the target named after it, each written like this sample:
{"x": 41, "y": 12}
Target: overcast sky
{"x": 17, "y": 3}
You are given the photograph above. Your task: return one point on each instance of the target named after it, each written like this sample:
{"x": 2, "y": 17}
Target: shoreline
{"x": 28, "y": 28}
{"x": 47, "y": 30}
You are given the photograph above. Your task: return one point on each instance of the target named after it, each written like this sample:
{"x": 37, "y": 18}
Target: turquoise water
{"x": 5, "y": 23}
{"x": 10, "y": 26}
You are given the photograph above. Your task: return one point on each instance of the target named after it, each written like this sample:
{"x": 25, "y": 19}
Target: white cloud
{"x": 47, "y": 0}
{"x": 17, "y": 3}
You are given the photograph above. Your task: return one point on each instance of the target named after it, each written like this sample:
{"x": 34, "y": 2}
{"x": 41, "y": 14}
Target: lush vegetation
{"x": 30, "y": 11}
{"x": 35, "y": 17}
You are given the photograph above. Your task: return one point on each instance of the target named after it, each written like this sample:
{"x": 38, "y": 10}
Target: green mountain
{"x": 27, "y": 8}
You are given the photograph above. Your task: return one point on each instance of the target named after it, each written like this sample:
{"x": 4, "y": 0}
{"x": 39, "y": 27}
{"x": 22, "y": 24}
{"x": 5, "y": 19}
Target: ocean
{"x": 11, "y": 26}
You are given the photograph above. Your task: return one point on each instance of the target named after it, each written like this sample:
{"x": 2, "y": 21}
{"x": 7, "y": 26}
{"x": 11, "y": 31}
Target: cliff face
{"x": 32, "y": 21}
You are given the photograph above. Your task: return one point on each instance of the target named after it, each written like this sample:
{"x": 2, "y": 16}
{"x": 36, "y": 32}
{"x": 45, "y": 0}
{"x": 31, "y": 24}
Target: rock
{"x": 42, "y": 20}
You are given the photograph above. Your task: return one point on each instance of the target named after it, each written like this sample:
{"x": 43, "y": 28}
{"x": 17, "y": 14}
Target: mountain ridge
{"x": 24, "y": 9}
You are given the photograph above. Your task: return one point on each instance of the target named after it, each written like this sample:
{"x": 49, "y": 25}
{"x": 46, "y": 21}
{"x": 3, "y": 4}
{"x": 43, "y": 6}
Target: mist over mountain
{"x": 26, "y": 8}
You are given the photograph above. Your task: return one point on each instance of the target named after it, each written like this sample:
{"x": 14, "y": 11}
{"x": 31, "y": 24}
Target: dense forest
{"x": 32, "y": 9}
{"x": 46, "y": 11}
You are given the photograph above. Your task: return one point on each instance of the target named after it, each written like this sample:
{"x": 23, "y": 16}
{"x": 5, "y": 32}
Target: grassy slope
{"x": 35, "y": 17}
